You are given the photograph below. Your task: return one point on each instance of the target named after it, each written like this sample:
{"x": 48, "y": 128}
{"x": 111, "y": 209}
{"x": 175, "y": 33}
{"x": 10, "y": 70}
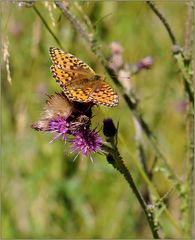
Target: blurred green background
{"x": 45, "y": 193}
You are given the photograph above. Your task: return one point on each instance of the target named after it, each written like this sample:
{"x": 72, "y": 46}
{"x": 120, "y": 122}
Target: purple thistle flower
{"x": 145, "y": 63}
{"x": 87, "y": 142}
{"x": 60, "y": 126}
{"x": 109, "y": 129}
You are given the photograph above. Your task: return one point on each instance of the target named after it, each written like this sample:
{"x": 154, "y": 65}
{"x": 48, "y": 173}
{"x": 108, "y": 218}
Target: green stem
{"x": 163, "y": 20}
{"x": 47, "y": 26}
{"x": 186, "y": 76}
{"x": 179, "y": 57}
{"x": 189, "y": 31}
{"x": 153, "y": 188}
{"x": 119, "y": 164}
{"x": 188, "y": 191}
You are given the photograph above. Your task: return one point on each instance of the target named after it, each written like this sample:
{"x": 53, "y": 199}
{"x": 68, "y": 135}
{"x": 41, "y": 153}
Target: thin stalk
{"x": 140, "y": 148}
{"x": 163, "y": 20}
{"x": 151, "y": 186}
{"x": 119, "y": 164}
{"x": 177, "y": 53}
{"x": 187, "y": 204}
{"x": 189, "y": 31}
{"x": 47, "y": 26}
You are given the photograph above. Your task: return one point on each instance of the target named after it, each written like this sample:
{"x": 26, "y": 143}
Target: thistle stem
{"x": 120, "y": 166}
{"x": 163, "y": 20}
{"x": 47, "y": 26}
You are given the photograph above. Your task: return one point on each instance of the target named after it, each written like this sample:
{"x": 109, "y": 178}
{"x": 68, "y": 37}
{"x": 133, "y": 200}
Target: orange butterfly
{"x": 79, "y": 82}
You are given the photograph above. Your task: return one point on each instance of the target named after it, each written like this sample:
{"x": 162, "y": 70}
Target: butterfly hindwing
{"x": 62, "y": 76}
{"x": 98, "y": 92}
{"x": 79, "y": 90}
{"x": 104, "y": 94}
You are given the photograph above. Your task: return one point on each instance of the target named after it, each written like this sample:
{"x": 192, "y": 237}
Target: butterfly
{"x": 79, "y": 82}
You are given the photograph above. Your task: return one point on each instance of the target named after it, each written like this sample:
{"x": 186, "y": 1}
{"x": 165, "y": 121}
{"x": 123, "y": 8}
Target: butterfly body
{"x": 79, "y": 82}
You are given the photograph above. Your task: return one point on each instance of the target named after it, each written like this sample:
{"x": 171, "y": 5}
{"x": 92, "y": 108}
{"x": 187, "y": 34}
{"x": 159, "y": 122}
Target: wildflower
{"x": 87, "y": 142}
{"x": 181, "y": 106}
{"x": 109, "y": 129}
{"x": 116, "y": 59}
{"x": 57, "y": 106}
{"x": 66, "y": 119}
{"x": 145, "y": 63}
{"x": 60, "y": 126}
{"x": 63, "y": 119}
{"x": 55, "y": 115}
{"x": 176, "y": 49}
{"x": 78, "y": 124}
{"x": 116, "y": 48}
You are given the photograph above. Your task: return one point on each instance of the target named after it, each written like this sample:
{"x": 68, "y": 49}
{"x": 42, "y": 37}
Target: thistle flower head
{"x": 145, "y": 63}
{"x": 55, "y": 115}
{"x": 60, "y": 126}
{"x": 109, "y": 129}
{"x": 67, "y": 120}
{"x": 86, "y": 143}
{"x": 78, "y": 124}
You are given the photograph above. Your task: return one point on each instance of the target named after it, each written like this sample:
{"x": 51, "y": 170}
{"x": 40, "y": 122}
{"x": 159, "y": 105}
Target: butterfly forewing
{"x": 66, "y": 76}
{"x": 68, "y": 61}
